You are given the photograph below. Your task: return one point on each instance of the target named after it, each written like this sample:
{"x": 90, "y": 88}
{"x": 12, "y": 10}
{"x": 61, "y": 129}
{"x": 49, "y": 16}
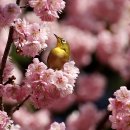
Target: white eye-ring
{"x": 63, "y": 41}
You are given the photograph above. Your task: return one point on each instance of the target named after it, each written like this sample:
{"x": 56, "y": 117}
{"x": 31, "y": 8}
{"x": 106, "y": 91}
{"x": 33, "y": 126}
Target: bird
{"x": 59, "y": 55}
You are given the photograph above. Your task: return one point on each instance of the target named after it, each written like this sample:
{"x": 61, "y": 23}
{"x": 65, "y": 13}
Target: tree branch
{"x": 19, "y": 105}
{"x": 6, "y": 53}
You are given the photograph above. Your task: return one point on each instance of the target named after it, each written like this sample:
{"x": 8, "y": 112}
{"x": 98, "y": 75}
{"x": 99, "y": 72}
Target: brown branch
{"x": 7, "y": 49}
{"x": 4, "y": 59}
{"x": 6, "y": 53}
{"x": 10, "y": 80}
{"x": 25, "y": 6}
{"x": 19, "y": 105}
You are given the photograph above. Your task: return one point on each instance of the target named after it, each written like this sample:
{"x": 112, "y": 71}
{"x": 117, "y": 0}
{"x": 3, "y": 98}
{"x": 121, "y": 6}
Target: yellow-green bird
{"x": 59, "y": 55}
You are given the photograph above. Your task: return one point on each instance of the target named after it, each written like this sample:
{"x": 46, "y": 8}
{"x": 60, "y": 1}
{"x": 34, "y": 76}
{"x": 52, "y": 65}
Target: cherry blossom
{"x": 43, "y": 98}
{"x": 57, "y": 126}
{"x": 29, "y": 39}
{"x": 90, "y": 87}
{"x": 47, "y": 85}
{"x": 86, "y": 118}
{"x": 3, "y": 119}
{"x": 15, "y": 92}
{"x": 120, "y": 109}
{"x": 6, "y": 123}
{"x": 47, "y": 10}
{"x": 32, "y": 121}
{"x": 8, "y": 13}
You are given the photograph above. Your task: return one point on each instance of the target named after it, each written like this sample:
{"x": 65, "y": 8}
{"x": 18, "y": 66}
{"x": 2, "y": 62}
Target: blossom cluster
{"x": 96, "y": 14}
{"x": 14, "y": 92}
{"x": 98, "y": 34}
{"x": 86, "y": 118}
{"x": 57, "y": 126}
{"x": 47, "y": 10}
{"x": 29, "y": 39}
{"x": 8, "y": 13}
{"x": 92, "y": 83}
{"x": 120, "y": 107}
{"x": 42, "y": 85}
{"x": 32, "y": 122}
{"x": 6, "y": 123}
{"x": 47, "y": 84}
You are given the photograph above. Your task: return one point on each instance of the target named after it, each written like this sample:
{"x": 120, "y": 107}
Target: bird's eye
{"x": 63, "y": 41}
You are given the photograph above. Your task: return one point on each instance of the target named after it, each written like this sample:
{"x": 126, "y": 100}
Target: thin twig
{"x": 10, "y": 80}
{"x": 19, "y": 105}
{"x": 25, "y": 6}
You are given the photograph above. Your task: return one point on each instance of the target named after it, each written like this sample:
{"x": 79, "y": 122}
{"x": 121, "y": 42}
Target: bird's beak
{"x": 56, "y": 36}
{"x": 58, "y": 40}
